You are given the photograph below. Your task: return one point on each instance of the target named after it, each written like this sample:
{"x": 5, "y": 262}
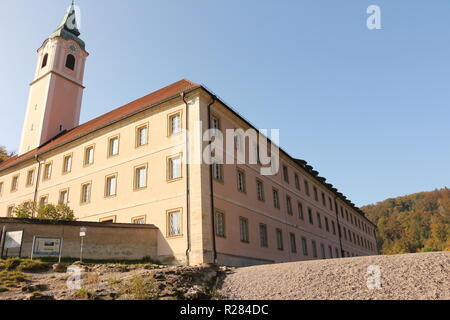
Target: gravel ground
{"x": 422, "y": 276}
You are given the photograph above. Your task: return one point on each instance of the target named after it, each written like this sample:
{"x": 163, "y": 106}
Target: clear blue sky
{"x": 368, "y": 109}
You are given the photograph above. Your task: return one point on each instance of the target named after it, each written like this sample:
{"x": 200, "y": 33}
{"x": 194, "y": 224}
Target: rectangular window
{"x": 86, "y": 193}
{"x": 241, "y": 180}
{"x": 263, "y": 235}
{"x": 333, "y": 226}
{"x": 174, "y": 223}
{"x": 175, "y": 123}
{"x": 319, "y": 220}
{"x": 345, "y": 233}
{"x": 297, "y": 181}
{"x": 260, "y": 190}
{"x": 307, "y": 188}
{"x": 220, "y": 224}
{"x": 280, "y": 239}
{"x": 43, "y": 201}
{"x": 330, "y": 252}
{"x": 10, "y": 212}
{"x": 67, "y": 164}
{"x": 310, "y": 216}
{"x": 113, "y": 146}
{"x": 304, "y": 246}
{"x": 286, "y": 174}
{"x": 300, "y": 211}
{"x": 276, "y": 199}
{"x": 142, "y": 136}
{"x": 15, "y": 183}
{"x": 111, "y": 186}
{"x": 336, "y": 250}
{"x": 89, "y": 156}
{"x": 289, "y": 205}
{"x": 322, "y": 250}
{"x": 243, "y": 226}
{"x": 215, "y": 123}
{"x": 140, "y": 177}
{"x": 316, "y": 196}
{"x": 217, "y": 171}
{"x": 174, "y": 168}
{"x": 47, "y": 171}
{"x": 30, "y": 178}
{"x": 327, "y": 225}
{"x": 330, "y": 203}
{"x": 314, "y": 247}
{"x": 63, "y": 197}
{"x": 293, "y": 243}
{"x": 138, "y": 220}
{"x": 324, "y": 202}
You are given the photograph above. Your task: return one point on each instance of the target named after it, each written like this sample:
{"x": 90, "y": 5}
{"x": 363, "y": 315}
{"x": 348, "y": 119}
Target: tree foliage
{"x": 3, "y": 154}
{"x": 414, "y": 223}
{"x": 28, "y": 210}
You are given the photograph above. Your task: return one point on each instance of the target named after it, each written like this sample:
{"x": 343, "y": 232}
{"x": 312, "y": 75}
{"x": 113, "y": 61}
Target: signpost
{"x": 83, "y": 231}
{"x": 12, "y": 240}
{"x": 43, "y": 246}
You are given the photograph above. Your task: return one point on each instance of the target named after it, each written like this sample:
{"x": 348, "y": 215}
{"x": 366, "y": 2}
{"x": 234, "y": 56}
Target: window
{"x": 174, "y": 223}
{"x": 217, "y": 171}
{"x": 319, "y": 220}
{"x": 111, "y": 219}
{"x": 300, "y": 211}
{"x": 241, "y": 180}
{"x": 215, "y": 123}
{"x": 307, "y": 188}
{"x": 286, "y": 174}
{"x": 174, "y": 168}
{"x": 345, "y": 233}
{"x": 330, "y": 203}
{"x": 67, "y": 164}
{"x": 289, "y": 205}
{"x": 243, "y": 226}
{"x": 263, "y": 235}
{"x": 113, "y": 146}
{"x": 43, "y": 201}
{"x": 175, "y": 123}
{"x": 70, "y": 62}
{"x": 63, "y": 197}
{"x": 142, "y": 136}
{"x": 30, "y": 178}
{"x": 316, "y": 196}
{"x": 314, "y": 247}
{"x": 260, "y": 190}
{"x": 304, "y": 246}
{"x": 276, "y": 199}
{"x": 14, "y": 183}
{"x": 330, "y": 252}
{"x": 86, "y": 193}
{"x": 324, "y": 202}
{"x": 138, "y": 220}
{"x": 279, "y": 239}
{"x": 336, "y": 250}
{"x": 297, "y": 181}
{"x": 293, "y": 243}
{"x": 111, "y": 186}
{"x": 47, "y": 171}
{"x": 333, "y": 226}
{"x": 44, "y": 61}
{"x": 1, "y": 189}
{"x": 327, "y": 225}
{"x": 89, "y": 156}
{"x": 310, "y": 216}
{"x": 220, "y": 224}
{"x": 140, "y": 177}
{"x": 322, "y": 250}
{"x": 10, "y": 212}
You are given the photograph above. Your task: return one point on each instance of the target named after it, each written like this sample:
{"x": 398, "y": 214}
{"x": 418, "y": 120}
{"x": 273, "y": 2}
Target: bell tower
{"x": 54, "y": 102}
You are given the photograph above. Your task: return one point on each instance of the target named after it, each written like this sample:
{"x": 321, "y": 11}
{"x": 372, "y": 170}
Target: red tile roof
{"x": 152, "y": 99}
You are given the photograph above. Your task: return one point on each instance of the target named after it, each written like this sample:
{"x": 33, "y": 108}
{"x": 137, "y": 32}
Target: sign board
{"x": 83, "y": 232}
{"x": 47, "y": 246}
{"x": 13, "y": 239}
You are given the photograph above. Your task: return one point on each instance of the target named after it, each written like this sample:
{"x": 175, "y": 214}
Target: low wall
{"x": 103, "y": 241}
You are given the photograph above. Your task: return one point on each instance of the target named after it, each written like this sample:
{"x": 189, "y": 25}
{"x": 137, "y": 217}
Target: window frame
{"x": 59, "y": 196}
{"x": 64, "y": 171}
{"x": 86, "y": 155}
{"x": 110, "y": 149}
{"x": 169, "y": 167}
{"x": 136, "y": 177}
{"x": 263, "y": 236}
{"x": 260, "y": 192}
{"x": 171, "y": 116}
{"x": 107, "y": 186}
{"x": 222, "y": 233}
{"x": 15, "y": 183}
{"x": 46, "y": 165}
{"x": 246, "y": 238}
{"x": 138, "y": 136}
{"x": 168, "y": 225}
{"x": 82, "y": 202}
{"x": 241, "y": 172}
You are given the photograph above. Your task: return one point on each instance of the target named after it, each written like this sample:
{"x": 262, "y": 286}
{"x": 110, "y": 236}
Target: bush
{"x": 139, "y": 288}
{"x": 24, "y": 265}
{"x": 60, "y": 212}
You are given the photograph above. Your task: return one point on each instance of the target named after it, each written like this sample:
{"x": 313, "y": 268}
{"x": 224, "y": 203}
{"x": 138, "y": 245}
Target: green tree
{"x": 25, "y": 211}
{"x": 60, "y": 212}
{"x": 3, "y": 154}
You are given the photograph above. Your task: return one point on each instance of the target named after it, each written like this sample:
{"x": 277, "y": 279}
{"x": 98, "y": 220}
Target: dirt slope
{"x": 411, "y": 276}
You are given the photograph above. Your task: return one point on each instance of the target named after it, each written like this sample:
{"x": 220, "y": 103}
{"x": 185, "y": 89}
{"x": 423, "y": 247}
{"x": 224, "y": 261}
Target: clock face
{"x": 72, "y": 48}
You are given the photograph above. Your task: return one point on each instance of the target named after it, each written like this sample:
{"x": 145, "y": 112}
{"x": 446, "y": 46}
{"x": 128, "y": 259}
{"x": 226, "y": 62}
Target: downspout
{"x": 211, "y": 186}
{"x": 339, "y": 227}
{"x": 188, "y": 193}
{"x": 38, "y": 179}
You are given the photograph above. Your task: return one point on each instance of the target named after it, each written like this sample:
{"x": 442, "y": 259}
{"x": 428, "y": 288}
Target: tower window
{"x": 44, "y": 61}
{"x": 70, "y": 62}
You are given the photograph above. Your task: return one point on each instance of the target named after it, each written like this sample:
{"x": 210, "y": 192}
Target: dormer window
{"x": 44, "y": 61}
{"x": 70, "y": 62}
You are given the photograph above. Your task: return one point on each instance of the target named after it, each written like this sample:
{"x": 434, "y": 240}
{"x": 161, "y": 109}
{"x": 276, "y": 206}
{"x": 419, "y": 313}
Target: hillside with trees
{"x": 414, "y": 223}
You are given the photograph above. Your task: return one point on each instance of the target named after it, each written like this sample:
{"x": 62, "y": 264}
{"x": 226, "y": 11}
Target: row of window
{"x": 70, "y": 61}
{"x": 89, "y": 152}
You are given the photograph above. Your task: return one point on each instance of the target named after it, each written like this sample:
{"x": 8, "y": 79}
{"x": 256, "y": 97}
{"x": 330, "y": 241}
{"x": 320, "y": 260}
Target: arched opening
{"x": 70, "y": 62}
{"x": 44, "y": 61}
